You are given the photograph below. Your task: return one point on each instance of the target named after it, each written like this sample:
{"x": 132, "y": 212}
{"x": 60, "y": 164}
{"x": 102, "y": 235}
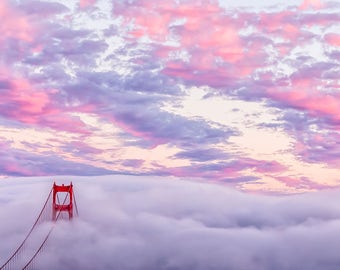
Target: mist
{"x": 138, "y": 222}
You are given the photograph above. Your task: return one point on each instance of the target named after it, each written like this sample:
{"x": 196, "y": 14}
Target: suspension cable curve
{"x": 29, "y": 233}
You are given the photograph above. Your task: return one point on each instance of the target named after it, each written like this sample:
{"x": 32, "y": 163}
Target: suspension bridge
{"x": 60, "y": 204}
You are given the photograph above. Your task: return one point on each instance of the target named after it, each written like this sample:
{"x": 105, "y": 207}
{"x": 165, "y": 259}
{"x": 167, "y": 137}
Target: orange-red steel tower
{"x": 66, "y": 205}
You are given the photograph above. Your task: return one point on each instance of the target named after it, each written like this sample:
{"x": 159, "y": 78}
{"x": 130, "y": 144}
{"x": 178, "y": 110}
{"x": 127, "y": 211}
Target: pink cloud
{"x": 29, "y": 100}
{"x": 282, "y": 24}
{"x": 203, "y": 26}
{"x": 153, "y": 25}
{"x": 211, "y": 38}
{"x": 333, "y": 39}
{"x": 154, "y": 18}
{"x": 232, "y": 171}
{"x": 63, "y": 121}
{"x": 86, "y": 3}
{"x": 316, "y": 103}
{"x": 150, "y": 18}
{"x": 193, "y": 10}
{"x": 12, "y": 168}
{"x": 314, "y": 4}
{"x": 15, "y": 24}
{"x": 221, "y": 41}
{"x": 302, "y": 183}
{"x": 25, "y": 102}
{"x": 207, "y": 30}
{"x": 22, "y": 100}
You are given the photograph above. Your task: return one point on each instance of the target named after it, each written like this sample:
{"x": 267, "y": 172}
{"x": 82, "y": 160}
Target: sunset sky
{"x": 243, "y": 94}
{"x": 183, "y": 126}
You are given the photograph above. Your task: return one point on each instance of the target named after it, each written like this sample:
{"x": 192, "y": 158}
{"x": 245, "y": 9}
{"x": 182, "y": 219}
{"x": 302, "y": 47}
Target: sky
{"x": 199, "y": 134}
{"x": 134, "y": 223}
{"x": 243, "y": 94}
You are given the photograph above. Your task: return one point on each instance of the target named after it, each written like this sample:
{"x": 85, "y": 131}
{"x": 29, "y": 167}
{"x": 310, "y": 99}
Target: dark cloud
{"x": 145, "y": 223}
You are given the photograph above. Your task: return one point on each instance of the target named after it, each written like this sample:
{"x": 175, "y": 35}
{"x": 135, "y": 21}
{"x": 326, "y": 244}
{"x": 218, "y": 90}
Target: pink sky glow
{"x": 245, "y": 96}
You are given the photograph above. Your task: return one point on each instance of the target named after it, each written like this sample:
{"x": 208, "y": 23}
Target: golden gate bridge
{"x": 59, "y": 204}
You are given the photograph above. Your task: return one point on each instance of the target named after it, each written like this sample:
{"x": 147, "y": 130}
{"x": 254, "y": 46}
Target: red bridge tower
{"x": 66, "y": 205}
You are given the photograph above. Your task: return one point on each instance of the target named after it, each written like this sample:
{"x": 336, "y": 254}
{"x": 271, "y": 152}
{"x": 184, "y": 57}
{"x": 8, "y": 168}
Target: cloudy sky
{"x": 242, "y": 94}
{"x": 183, "y": 125}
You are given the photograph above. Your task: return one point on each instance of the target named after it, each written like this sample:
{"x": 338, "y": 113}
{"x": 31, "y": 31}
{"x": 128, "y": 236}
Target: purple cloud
{"x": 38, "y": 8}
{"x": 23, "y": 163}
{"x": 64, "y": 64}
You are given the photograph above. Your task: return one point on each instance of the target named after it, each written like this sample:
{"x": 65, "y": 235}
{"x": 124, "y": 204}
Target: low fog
{"x": 155, "y": 223}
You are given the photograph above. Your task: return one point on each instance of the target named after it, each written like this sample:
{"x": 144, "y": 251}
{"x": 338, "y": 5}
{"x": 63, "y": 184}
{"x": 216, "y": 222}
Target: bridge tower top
{"x": 66, "y": 204}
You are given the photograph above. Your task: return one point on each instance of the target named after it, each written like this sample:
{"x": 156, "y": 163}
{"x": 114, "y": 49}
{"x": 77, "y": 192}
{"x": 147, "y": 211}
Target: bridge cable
{"x": 18, "y": 250}
{"x": 47, "y": 236}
